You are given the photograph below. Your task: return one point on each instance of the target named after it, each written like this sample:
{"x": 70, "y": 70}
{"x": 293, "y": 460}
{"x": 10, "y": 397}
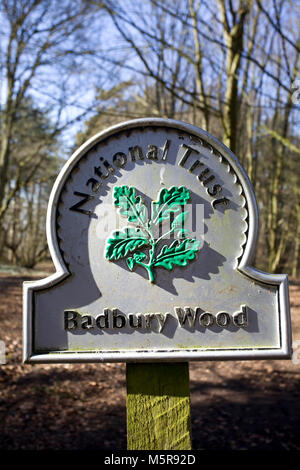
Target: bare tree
{"x": 40, "y": 39}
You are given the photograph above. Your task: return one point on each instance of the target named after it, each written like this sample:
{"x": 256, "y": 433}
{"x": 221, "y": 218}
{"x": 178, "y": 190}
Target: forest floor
{"x": 253, "y": 405}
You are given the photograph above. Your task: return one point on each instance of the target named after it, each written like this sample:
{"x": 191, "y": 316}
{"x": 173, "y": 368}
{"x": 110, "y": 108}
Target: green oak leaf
{"x": 139, "y": 256}
{"x": 130, "y": 205}
{"x": 169, "y": 200}
{"x": 178, "y": 253}
{"x": 125, "y": 241}
{"x": 131, "y": 262}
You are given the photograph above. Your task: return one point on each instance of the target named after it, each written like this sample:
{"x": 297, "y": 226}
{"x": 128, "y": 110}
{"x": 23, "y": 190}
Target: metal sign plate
{"x": 152, "y": 225}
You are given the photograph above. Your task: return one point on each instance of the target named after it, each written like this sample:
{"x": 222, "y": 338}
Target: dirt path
{"x": 235, "y": 405}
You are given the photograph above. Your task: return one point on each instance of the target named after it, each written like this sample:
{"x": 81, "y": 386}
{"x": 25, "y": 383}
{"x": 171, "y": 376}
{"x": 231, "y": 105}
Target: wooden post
{"x": 158, "y": 407}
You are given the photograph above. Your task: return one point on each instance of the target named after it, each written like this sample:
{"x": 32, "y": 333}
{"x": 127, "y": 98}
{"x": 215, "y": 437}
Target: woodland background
{"x": 69, "y": 69}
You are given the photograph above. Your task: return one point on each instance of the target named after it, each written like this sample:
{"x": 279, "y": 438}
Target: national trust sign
{"x": 152, "y": 226}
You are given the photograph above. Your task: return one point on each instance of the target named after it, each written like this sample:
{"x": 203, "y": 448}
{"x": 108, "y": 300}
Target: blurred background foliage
{"x": 71, "y": 69}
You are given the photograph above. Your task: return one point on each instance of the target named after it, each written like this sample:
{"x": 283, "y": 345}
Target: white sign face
{"x": 152, "y": 225}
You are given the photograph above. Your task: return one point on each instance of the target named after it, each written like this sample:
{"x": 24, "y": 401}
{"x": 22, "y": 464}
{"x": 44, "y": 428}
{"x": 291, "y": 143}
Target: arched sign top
{"x": 196, "y": 139}
{"x": 152, "y": 226}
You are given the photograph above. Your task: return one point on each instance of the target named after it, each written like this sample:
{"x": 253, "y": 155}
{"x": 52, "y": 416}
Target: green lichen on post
{"x": 158, "y": 407}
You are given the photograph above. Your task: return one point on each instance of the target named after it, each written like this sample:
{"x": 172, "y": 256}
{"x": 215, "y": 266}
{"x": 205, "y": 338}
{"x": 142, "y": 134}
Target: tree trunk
{"x": 233, "y": 36}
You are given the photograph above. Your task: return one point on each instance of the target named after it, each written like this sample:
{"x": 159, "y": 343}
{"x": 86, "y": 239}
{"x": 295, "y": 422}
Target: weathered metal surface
{"x": 203, "y": 301}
